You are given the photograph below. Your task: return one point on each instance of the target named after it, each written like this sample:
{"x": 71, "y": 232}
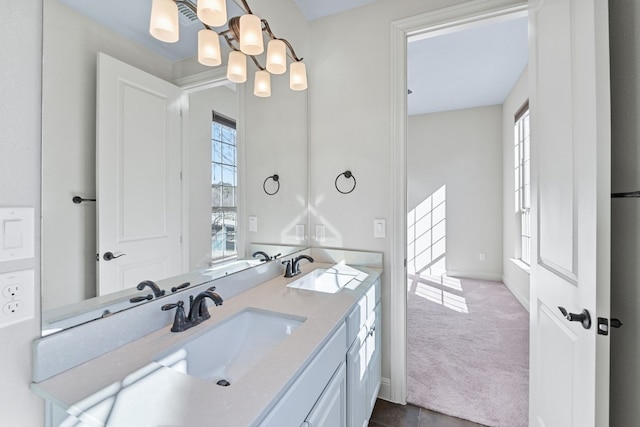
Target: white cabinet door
{"x": 571, "y": 169}
{"x": 374, "y": 350}
{"x": 138, "y": 176}
{"x": 363, "y": 371}
{"x": 331, "y": 409}
{"x": 357, "y": 381}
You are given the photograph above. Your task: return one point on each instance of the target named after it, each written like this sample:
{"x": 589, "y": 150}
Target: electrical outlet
{"x": 320, "y": 235}
{"x": 17, "y": 299}
{"x": 482, "y": 257}
{"x": 12, "y": 308}
{"x": 12, "y": 291}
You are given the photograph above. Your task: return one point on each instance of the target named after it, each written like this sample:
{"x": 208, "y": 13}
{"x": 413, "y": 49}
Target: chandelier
{"x": 245, "y": 37}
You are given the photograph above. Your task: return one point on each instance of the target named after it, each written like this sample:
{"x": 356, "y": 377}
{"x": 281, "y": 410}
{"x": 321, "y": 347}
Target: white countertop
{"x": 126, "y": 387}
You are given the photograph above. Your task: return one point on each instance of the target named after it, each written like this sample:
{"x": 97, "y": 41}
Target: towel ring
{"x": 347, "y": 174}
{"x": 276, "y": 179}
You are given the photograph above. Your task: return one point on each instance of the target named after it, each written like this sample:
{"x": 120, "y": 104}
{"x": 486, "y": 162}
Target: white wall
{"x": 461, "y": 150}
{"x": 625, "y": 213}
{"x": 224, "y": 101}
{"x": 514, "y": 276}
{"x": 274, "y": 131}
{"x": 20, "y": 73}
{"x": 350, "y": 128}
{"x": 70, "y": 48}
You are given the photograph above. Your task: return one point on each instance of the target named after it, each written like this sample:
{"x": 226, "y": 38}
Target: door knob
{"x": 108, "y": 256}
{"x": 582, "y": 317}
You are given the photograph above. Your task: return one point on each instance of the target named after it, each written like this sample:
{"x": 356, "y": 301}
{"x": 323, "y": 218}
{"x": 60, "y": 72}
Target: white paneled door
{"x": 138, "y": 176}
{"x": 570, "y": 119}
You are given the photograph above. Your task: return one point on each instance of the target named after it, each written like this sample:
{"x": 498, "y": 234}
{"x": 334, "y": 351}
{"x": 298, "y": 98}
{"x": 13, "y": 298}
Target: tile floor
{"x": 386, "y": 414}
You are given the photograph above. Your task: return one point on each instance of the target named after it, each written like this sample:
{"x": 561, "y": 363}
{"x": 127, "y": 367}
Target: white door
{"x": 570, "y": 134}
{"x": 138, "y": 176}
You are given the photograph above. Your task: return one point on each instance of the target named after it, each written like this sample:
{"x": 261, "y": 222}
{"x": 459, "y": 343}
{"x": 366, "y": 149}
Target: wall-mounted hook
{"x": 275, "y": 178}
{"x": 77, "y": 200}
{"x": 347, "y": 175}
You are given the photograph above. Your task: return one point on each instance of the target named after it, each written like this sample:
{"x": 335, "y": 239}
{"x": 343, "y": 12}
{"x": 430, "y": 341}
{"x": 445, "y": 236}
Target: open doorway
{"x": 467, "y": 334}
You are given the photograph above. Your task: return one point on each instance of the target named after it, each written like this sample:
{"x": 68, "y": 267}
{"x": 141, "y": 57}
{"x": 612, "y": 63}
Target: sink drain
{"x": 223, "y": 383}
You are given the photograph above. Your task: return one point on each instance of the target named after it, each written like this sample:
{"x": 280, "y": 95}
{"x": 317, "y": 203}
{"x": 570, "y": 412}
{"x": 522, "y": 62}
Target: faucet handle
{"x": 177, "y": 288}
{"x": 289, "y": 271}
{"x": 179, "y": 320}
{"x": 141, "y": 298}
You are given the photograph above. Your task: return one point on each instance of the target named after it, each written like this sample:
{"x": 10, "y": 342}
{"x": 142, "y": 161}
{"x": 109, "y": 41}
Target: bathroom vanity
{"x": 301, "y": 351}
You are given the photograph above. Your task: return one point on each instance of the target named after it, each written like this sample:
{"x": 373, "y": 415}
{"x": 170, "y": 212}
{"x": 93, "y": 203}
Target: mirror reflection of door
{"x": 138, "y": 177}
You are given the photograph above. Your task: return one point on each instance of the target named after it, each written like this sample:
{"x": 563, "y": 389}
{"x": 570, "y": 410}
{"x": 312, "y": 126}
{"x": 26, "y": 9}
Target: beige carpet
{"x": 468, "y": 350}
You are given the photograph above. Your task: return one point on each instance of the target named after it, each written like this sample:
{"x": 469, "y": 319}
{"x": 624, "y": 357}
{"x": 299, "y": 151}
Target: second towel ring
{"x": 276, "y": 179}
{"x": 347, "y": 174}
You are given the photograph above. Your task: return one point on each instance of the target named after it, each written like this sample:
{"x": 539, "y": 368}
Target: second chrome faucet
{"x": 293, "y": 266}
{"x": 198, "y": 311}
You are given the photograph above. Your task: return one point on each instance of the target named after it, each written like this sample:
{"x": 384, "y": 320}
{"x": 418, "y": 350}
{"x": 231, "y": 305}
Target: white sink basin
{"x": 329, "y": 280}
{"x": 227, "y": 351}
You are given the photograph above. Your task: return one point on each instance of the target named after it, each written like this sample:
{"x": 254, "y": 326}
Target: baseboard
{"x": 522, "y": 299}
{"x": 471, "y": 275}
{"x": 385, "y": 389}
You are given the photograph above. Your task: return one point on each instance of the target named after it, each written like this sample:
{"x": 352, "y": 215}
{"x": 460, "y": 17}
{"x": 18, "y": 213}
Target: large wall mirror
{"x": 269, "y": 139}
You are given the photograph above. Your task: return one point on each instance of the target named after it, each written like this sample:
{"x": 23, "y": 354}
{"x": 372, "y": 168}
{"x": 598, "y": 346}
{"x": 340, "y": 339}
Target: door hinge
{"x": 180, "y": 175}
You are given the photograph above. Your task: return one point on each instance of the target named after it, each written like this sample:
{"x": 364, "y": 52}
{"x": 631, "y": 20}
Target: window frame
{"x": 522, "y": 165}
{"x": 221, "y": 210}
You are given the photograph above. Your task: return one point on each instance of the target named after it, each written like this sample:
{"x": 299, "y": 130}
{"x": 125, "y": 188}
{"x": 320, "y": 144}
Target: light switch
{"x": 12, "y": 234}
{"x": 379, "y": 228}
{"x": 300, "y": 232}
{"x": 253, "y": 223}
{"x": 16, "y": 233}
{"x": 320, "y": 232}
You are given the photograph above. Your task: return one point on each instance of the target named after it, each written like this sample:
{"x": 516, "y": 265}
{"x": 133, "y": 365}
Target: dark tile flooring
{"x": 386, "y": 414}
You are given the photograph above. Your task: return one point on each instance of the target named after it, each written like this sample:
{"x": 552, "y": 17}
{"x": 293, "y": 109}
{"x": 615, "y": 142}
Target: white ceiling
{"x": 314, "y": 9}
{"x": 468, "y": 68}
{"x": 459, "y": 69}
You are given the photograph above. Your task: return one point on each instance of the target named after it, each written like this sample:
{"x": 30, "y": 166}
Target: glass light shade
{"x": 212, "y": 12}
{"x": 209, "y": 48}
{"x": 276, "y": 57}
{"x": 251, "y": 35}
{"x": 262, "y": 84}
{"x": 237, "y": 67}
{"x": 298, "y": 76}
{"x": 164, "y": 21}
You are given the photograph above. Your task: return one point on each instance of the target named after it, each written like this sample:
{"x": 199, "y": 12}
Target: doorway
{"x": 440, "y": 21}
{"x": 457, "y": 131}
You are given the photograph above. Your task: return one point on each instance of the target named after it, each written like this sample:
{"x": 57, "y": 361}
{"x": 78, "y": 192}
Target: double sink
{"x": 243, "y": 340}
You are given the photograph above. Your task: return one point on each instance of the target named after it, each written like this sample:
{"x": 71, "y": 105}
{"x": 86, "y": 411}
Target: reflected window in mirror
{"x": 224, "y": 189}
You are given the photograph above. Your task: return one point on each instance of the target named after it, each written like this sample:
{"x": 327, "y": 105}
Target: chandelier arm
{"x": 229, "y": 40}
{"x": 255, "y": 61}
{"x": 267, "y": 29}
{"x": 246, "y": 7}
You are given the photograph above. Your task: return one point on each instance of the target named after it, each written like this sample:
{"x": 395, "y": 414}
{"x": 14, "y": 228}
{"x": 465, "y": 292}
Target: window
{"x": 224, "y": 188}
{"x": 523, "y": 181}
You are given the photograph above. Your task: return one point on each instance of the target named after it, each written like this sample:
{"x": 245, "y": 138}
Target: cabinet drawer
{"x": 296, "y": 403}
{"x": 361, "y": 312}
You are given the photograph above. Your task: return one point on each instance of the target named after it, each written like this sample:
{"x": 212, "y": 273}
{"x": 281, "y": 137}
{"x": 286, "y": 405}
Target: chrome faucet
{"x": 198, "y": 311}
{"x": 264, "y": 255}
{"x": 293, "y": 266}
{"x": 156, "y": 290}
